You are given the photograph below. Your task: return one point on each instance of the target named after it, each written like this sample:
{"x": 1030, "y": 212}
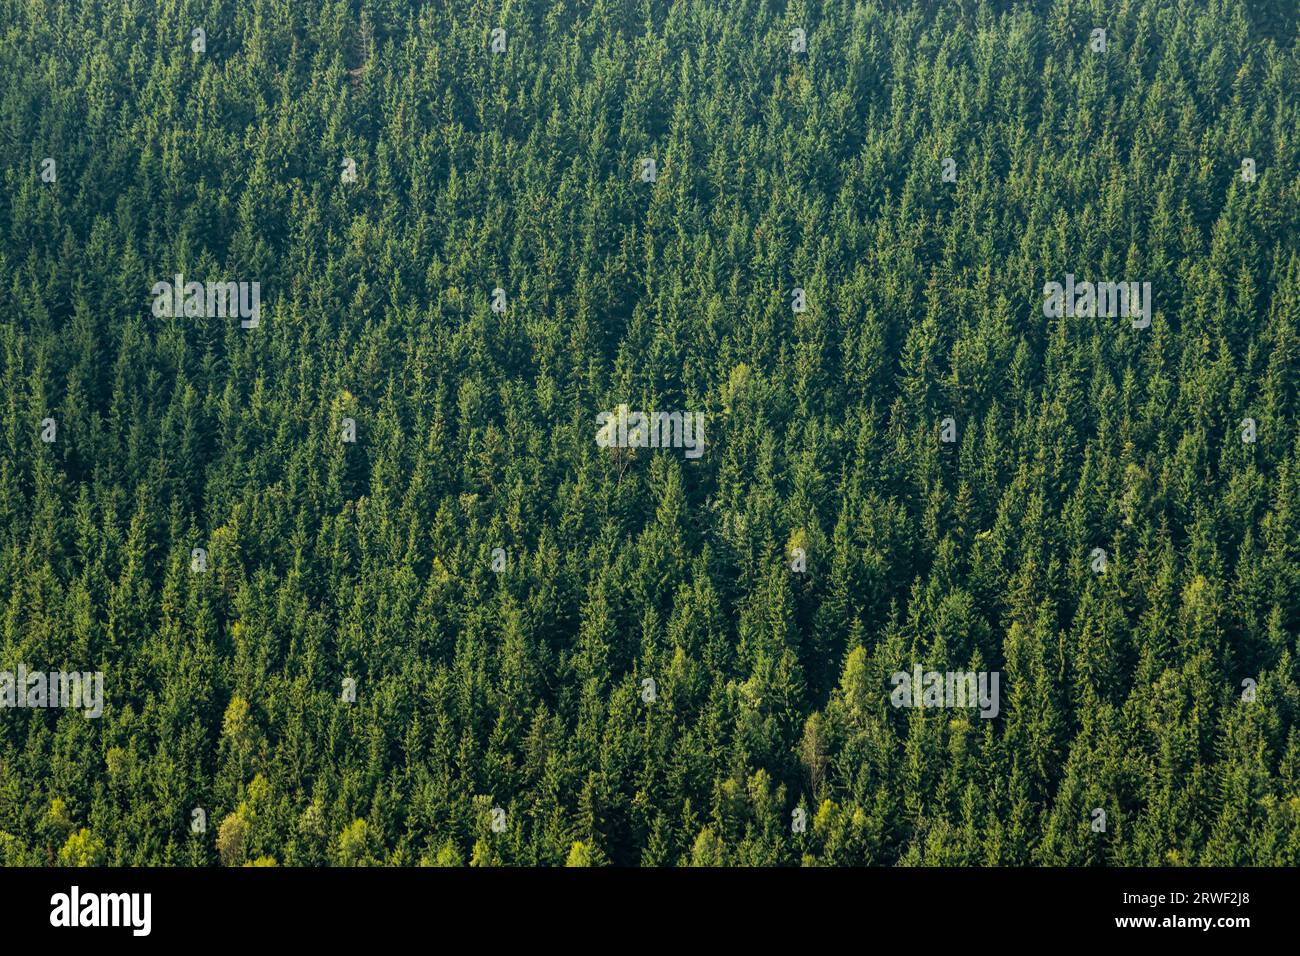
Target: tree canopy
{"x": 471, "y": 635}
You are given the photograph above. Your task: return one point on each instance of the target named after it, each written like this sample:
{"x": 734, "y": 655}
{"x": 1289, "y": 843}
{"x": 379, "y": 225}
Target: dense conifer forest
{"x": 372, "y": 563}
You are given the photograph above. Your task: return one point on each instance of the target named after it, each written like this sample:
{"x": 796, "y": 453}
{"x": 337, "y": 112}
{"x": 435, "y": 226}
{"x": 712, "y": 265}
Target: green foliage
{"x": 82, "y": 849}
{"x": 524, "y": 691}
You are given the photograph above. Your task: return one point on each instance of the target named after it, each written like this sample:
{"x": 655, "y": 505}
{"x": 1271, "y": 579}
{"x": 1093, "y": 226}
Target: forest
{"x": 584, "y": 432}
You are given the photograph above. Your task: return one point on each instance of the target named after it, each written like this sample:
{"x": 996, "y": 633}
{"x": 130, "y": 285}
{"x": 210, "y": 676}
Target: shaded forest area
{"x": 501, "y": 711}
